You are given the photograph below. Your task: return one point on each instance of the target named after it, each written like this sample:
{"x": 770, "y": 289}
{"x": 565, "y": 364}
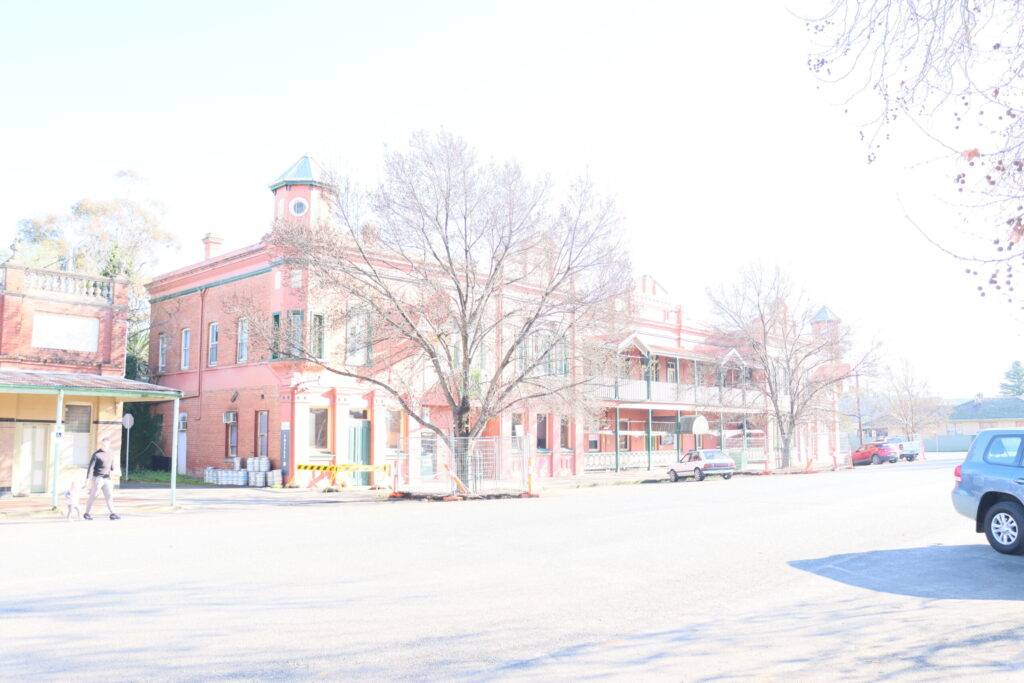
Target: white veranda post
{"x": 174, "y": 453}
{"x": 57, "y": 434}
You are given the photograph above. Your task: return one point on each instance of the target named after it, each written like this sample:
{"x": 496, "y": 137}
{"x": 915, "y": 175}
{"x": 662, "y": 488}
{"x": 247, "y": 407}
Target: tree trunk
{"x": 787, "y": 446}
{"x": 460, "y": 442}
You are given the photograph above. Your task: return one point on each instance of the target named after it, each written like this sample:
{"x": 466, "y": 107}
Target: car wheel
{"x": 910, "y": 458}
{"x": 1004, "y": 527}
{"x": 698, "y": 474}
{"x": 672, "y": 476}
{"x": 727, "y": 476}
{"x": 875, "y": 460}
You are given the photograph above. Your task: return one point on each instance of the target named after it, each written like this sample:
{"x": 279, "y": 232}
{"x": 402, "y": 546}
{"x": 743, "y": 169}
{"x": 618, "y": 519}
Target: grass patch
{"x": 161, "y": 477}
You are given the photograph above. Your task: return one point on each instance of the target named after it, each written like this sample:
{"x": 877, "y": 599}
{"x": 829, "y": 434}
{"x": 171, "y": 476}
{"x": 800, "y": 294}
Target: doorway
{"x": 359, "y": 449}
{"x": 182, "y": 451}
{"x": 33, "y": 451}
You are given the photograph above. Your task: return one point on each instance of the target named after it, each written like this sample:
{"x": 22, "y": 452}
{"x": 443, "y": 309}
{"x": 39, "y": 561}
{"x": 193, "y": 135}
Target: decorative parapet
{"x": 67, "y": 286}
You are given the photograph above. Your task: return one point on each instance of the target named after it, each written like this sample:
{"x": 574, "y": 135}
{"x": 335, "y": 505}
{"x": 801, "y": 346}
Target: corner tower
{"x": 298, "y": 192}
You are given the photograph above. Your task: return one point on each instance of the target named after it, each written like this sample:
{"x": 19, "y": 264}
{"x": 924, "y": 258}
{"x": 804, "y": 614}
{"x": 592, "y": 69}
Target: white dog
{"x": 72, "y": 498}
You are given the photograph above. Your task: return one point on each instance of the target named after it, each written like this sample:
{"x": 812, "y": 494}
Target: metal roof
{"x": 824, "y": 315}
{"x": 81, "y": 384}
{"x": 305, "y": 171}
{"x": 1001, "y": 408}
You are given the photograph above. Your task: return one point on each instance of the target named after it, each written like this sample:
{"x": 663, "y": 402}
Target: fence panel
{"x": 428, "y": 464}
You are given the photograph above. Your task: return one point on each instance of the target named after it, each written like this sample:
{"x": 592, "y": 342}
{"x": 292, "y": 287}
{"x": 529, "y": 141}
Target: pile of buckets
{"x": 257, "y": 473}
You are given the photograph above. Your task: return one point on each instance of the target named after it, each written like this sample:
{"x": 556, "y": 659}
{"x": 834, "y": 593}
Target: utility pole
{"x": 860, "y": 424}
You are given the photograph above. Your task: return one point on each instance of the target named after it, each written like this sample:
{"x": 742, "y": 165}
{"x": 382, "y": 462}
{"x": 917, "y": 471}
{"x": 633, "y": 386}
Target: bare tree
{"x": 799, "y": 364}
{"x": 952, "y": 70}
{"x": 462, "y": 282}
{"x": 861, "y": 403}
{"x": 912, "y": 406}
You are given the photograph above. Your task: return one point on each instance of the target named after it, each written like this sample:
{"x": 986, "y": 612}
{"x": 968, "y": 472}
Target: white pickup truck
{"x": 907, "y": 449}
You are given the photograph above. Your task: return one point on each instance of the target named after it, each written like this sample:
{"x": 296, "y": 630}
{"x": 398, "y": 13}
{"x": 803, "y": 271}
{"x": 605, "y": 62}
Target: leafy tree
{"x": 145, "y": 436}
{"x": 1014, "y": 384}
{"x": 119, "y": 237}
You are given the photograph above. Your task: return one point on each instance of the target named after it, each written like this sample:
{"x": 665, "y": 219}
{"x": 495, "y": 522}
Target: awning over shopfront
{"x": 82, "y": 384}
{"x": 71, "y": 384}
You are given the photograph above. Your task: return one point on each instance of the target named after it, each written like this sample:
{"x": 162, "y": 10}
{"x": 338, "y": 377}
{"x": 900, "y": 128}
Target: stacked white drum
{"x": 257, "y": 473}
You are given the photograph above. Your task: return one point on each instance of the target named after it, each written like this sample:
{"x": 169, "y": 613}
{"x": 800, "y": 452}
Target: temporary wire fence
{"x": 483, "y": 465}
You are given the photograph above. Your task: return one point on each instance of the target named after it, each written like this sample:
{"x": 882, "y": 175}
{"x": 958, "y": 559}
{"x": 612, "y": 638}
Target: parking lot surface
{"x": 860, "y": 574}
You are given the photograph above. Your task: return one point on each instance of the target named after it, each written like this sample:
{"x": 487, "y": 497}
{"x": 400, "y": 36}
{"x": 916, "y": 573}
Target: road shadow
{"x": 954, "y": 572}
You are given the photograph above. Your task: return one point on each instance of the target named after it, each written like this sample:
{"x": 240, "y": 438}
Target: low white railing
{"x": 627, "y": 460}
{"x": 82, "y": 286}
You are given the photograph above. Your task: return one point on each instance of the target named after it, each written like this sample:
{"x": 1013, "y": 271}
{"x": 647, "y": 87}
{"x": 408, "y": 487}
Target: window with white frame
{"x": 231, "y": 433}
{"x": 394, "y": 429}
{"x": 186, "y": 347}
{"x": 262, "y": 433}
{"x": 318, "y": 424}
{"x": 359, "y": 346}
{"x": 316, "y": 335}
{"x": 542, "y": 432}
{"x": 295, "y": 324}
{"x": 161, "y": 353}
{"x": 671, "y": 371}
{"x": 242, "y": 341}
{"x": 275, "y": 338}
{"x": 558, "y": 359}
{"x": 213, "y": 341}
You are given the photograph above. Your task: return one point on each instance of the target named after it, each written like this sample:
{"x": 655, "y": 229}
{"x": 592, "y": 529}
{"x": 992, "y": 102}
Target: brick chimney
{"x": 211, "y": 245}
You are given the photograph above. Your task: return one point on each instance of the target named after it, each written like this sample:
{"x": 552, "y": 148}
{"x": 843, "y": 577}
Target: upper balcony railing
{"x": 65, "y": 285}
{"x": 618, "y": 389}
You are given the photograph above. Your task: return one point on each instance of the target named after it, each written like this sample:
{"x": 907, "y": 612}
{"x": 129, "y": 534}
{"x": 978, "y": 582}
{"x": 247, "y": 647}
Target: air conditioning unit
{"x": 230, "y": 417}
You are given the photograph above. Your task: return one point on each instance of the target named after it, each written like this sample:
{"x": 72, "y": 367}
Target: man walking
{"x": 98, "y": 471}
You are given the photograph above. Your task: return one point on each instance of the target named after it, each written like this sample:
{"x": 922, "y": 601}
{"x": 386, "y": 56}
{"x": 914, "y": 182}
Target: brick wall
{"x": 209, "y": 391}
{"x": 19, "y": 302}
{"x": 206, "y": 433}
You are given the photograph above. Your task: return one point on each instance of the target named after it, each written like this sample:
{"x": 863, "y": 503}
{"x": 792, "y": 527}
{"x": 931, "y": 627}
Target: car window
{"x": 1002, "y": 450}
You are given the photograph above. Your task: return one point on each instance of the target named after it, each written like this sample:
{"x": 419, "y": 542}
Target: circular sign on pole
{"x": 128, "y": 421}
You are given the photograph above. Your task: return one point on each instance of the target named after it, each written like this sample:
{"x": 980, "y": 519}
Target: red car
{"x": 875, "y": 453}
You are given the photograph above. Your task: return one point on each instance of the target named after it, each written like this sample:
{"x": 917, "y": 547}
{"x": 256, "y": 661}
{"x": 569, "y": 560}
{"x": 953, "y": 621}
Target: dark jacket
{"x": 100, "y": 464}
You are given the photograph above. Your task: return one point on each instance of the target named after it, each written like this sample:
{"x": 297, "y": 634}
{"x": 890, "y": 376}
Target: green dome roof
{"x": 305, "y": 171}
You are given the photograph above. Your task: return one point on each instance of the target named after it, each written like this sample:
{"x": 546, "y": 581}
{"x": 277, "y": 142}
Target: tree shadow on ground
{"x": 954, "y": 572}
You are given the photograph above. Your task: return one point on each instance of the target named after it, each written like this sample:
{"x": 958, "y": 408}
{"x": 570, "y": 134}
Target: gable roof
{"x": 305, "y": 171}
{"x": 1001, "y": 408}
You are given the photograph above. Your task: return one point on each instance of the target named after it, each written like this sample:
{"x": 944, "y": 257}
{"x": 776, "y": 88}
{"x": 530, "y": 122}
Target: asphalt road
{"x": 865, "y": 574}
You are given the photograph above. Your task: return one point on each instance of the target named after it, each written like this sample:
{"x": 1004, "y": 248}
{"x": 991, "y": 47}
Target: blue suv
{"x": 990, "y": 487}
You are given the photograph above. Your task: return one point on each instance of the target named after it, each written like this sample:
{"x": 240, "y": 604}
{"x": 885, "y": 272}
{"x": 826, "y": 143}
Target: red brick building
{"x": 62, "y": 386}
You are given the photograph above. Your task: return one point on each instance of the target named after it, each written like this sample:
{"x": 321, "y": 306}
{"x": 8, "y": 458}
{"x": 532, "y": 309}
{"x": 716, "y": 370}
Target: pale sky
{"x": 700, "y": 118}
